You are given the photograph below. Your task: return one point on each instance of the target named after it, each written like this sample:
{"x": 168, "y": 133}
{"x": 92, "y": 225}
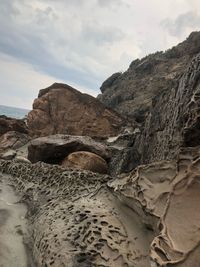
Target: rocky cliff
{"x": 64, "y": 110}
{"x": 161, "y": 93}
{"x": 131, "y": 93}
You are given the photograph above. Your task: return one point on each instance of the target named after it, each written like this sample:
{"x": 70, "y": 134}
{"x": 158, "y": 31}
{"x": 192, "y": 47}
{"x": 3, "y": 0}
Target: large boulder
{"x": 64, "y": 110}
{"x": 10, "y": 124}
{"x": 54, "y": 148}
{"x": 84, "y": 160}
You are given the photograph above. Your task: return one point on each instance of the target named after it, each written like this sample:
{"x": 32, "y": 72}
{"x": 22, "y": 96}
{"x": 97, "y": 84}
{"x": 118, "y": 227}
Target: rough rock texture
{"x": 132, "y": 92}
{"x": 64, "y": 110}
{"x": 85, "y": 161}
{"x": 174, "y": 120}
{"x": 10, "y": 124}
{"x": 124, "y": 155}
{"x": 78, "y": 218}
{"x": 12, "y": 140}
{"x": 54, "y": 148}
{"x": 75, "y": 221}
{"x": 165, "y": 195}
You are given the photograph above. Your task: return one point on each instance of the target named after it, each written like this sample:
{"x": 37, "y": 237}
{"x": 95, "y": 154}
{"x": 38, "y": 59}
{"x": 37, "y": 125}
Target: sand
{"x": 13, "y": 251}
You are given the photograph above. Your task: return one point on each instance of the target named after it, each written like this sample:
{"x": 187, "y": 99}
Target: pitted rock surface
{"x": 75, "y": 220}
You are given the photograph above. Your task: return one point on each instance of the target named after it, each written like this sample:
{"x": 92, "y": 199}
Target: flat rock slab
{"x": 54, "y": 148}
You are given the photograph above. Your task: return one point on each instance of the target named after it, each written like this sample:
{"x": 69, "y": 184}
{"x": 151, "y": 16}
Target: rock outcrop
{"x": 12, "y": 140}
{"x": 84, "y": 160}
{"x": 165, "y": 195}
{"x": 10, "y": 124}
{"x": 132, "y": 92}
{"x": 54, "y": 148}
{"x": 174, "y": 118}
{"x": 61, "y": 109}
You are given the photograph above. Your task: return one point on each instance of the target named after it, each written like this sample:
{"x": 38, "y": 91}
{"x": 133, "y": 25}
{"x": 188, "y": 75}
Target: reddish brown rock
{"x": 11, "y": 124}
{"x": 62, "y": 109}
{"x": 86, "y": 161}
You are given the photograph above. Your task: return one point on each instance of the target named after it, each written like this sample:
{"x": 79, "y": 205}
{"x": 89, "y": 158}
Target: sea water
{"x": 18, "y": 113}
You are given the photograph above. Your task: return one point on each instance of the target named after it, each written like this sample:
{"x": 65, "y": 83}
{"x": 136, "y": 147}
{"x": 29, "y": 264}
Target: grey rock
{"x": 8, "y": 155}
{"x": 54, "y": 148}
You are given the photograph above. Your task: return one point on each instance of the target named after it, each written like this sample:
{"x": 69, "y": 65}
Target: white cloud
{"x": 84, "y": 42}
{"x": 21, "y": 83}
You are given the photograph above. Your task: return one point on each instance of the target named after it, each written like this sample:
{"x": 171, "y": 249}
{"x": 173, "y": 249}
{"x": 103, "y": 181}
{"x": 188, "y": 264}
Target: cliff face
{"x": 62, "y": 109}
{"x": 132, "y": 92}
{"x": 161, "y": 92}
{"x": 174, "y": 118}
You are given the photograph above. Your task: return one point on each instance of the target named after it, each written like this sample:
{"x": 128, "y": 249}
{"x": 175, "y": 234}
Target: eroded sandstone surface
{"x": 150, "y": 217}
{"x": 131, "y": 93}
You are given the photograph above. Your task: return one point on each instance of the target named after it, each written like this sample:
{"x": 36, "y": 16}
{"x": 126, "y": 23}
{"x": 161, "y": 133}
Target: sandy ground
{"x": 13, "y": 252}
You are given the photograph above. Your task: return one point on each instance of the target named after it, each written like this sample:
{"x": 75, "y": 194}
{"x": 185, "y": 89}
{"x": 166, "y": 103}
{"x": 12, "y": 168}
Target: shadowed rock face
{"x": 174, "y": 118}
{"x": 54, "y": 148}
{"x": 62, "y": 109}
{"x": 132, "y": 92}
{"x": 10, "y": 124}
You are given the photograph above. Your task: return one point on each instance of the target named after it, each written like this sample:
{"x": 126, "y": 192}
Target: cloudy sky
{"x": 82, "y": 42}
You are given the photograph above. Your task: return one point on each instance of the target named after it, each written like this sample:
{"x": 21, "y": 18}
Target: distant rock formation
{"x": 10, "y": 124}
{"x": 132, "y": 92}
{"x": 64, "y": 110}
{"x": 161, "y": 93}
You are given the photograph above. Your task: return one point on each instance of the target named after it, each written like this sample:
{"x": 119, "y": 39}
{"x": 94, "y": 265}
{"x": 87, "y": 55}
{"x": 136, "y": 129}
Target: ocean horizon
{"x": 13, "y": 112}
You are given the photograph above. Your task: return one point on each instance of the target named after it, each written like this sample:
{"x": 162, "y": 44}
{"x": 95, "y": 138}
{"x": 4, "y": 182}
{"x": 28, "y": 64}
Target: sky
{"x": 82, "y": 42}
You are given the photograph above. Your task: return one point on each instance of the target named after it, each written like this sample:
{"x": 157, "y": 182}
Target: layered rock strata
{"x": 174, "y": 118}
{"x": 131, "y": 93}
{"x": 61, "y": 109}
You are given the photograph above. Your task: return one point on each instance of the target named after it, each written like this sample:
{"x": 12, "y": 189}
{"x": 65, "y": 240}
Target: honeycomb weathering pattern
{"x": 148, "y": 218}
{"x": 74, "y": 220}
